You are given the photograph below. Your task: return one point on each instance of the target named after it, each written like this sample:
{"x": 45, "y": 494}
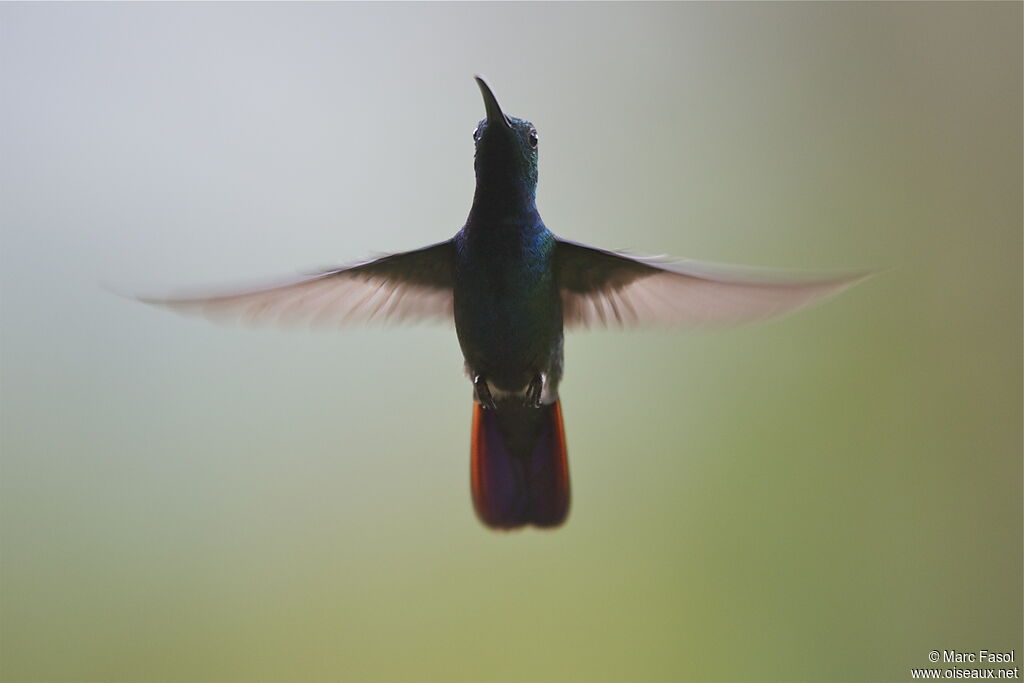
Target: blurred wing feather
{"x": 413, "y": 285}
{"x": 609, "y": 289}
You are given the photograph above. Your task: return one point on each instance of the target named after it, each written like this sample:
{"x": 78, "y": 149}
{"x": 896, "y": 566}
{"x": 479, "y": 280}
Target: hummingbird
{"x": 511, "y": 288}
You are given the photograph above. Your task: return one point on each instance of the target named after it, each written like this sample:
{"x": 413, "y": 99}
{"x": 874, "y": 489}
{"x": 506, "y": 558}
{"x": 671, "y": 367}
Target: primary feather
{"x": 412, "y": 285}
{"x": 602, "y": 288}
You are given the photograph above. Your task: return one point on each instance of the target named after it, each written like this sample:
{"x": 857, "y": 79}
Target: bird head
{"x": 506, "y": 148}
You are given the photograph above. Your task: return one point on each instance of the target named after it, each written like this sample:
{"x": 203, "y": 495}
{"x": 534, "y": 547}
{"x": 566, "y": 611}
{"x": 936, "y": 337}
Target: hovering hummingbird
{"x": 511, "y": 287}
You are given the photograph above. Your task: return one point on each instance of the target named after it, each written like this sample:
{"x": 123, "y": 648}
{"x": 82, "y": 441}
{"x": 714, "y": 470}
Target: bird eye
{"x": 533, "y": 139}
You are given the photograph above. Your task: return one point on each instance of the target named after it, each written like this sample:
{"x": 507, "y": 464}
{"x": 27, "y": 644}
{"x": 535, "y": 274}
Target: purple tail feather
{"x": 519, "y": 469}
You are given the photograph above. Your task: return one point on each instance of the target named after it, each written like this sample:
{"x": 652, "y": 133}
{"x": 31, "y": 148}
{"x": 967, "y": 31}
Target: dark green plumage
{"x": 508, "y": 312}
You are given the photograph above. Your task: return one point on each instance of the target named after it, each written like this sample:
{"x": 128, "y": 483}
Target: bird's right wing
{"x": 609, "y": 289}
{"x": 413, "y": 285}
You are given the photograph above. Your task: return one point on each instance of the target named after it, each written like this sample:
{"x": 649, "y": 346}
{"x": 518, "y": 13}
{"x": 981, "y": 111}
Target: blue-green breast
{"x": 507, "y": 309}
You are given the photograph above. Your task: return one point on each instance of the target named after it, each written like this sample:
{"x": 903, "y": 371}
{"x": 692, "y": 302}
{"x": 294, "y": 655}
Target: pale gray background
{"x": 828, "y": 497}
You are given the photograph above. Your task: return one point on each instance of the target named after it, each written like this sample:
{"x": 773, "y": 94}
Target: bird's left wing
{"x": 413, "y": 285}
{"x": 609, "y": 289}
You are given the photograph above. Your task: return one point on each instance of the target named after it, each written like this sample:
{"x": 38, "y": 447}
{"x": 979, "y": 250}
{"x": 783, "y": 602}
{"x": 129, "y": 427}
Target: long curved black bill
{"x": 491, "y": 105}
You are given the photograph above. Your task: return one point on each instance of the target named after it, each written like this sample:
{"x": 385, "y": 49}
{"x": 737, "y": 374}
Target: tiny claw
{"x": 483, "y": 393}
{"x": 535, "y": 391}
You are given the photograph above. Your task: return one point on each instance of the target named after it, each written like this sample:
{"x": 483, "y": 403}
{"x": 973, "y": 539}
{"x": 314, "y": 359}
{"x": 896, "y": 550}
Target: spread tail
{"x": 519, "y": 470}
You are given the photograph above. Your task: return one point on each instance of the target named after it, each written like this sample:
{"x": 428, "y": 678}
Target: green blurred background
{"x": 827, "y": 497}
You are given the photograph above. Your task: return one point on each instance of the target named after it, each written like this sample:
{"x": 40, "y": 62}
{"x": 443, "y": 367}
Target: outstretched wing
{"x": 413, "y": 285}
{"x": 610, "y": 289}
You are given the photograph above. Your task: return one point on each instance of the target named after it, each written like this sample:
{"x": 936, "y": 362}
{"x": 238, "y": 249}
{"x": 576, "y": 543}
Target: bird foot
{"x": 483, "y": 393}
{"x": 535, "y": 390}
